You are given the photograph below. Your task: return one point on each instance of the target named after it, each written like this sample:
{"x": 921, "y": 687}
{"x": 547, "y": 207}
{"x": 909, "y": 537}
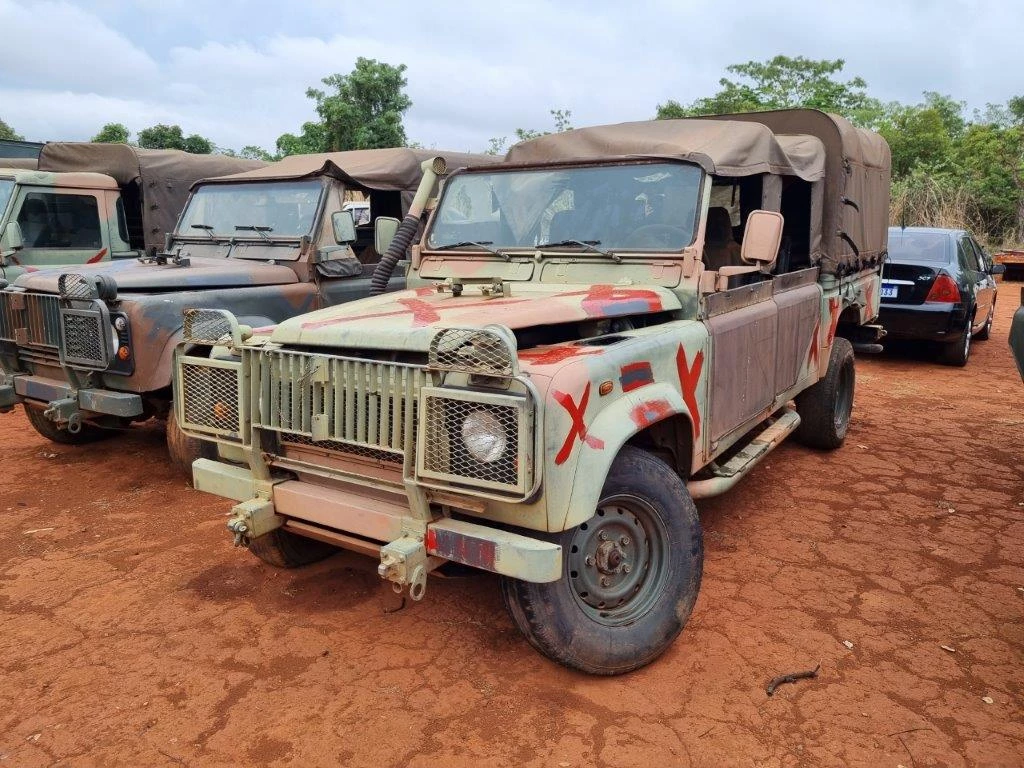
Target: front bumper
{"x": 58, "y": 395}
{"x": 931, "y": 322}
{"x": 354, "y": 520}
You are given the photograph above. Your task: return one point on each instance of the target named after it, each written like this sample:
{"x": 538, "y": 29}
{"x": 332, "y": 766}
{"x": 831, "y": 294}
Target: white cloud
{"x": 237, "y": 72}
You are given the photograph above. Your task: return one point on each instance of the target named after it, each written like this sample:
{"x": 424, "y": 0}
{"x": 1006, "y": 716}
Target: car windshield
{"x": 909, "y": 246}
{"x": 6, "y": 188}
{"x": 267, "y": 210}
{"x": 631, "y": 207}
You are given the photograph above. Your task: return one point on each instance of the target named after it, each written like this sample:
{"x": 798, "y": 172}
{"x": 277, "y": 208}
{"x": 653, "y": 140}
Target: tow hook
{"x": 239, "y": 528}
{"x": 404, "y": 562}
{"x": 65, "y": 411}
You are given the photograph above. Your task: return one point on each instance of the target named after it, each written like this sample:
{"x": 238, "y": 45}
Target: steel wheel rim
{"x": 618, "y": 561}
{"x": 844, "y": 402}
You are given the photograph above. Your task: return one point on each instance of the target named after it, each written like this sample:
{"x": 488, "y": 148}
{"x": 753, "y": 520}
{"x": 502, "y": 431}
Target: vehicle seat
{"x": 720, "y": 249}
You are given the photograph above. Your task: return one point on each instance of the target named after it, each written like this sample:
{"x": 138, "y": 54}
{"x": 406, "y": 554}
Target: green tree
{"x": 112, "y": 133}
{"x": 252, "y": 152}
{"x": 7, "y": 133}
{"x": 780, "y": 83}
{"x": 561, "y": 117}
{"x": 163, "y": 136}
{"x": 360, "y": 110}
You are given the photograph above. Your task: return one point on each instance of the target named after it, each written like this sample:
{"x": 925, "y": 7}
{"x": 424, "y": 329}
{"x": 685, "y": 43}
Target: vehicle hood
{"x": 133, "y": 275}
{"x": 408, "y": 320}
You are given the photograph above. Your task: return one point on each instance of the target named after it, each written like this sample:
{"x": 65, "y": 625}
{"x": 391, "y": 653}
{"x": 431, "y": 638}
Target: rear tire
{"x": 826, "y": 407}
{"x": 986, "y": 329}
{"x": 89, "y": 433}
{"x": 184, "y": 449}
{"x": 284, "y": 549}
{"x": 630, "y": 574}
{"x": 958, "y": 352}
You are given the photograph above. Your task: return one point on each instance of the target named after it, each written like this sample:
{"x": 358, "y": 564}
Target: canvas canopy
{"x": 851, "y": 164}
{"x": 389, "y": 170}
{"x": 160, "y": 179}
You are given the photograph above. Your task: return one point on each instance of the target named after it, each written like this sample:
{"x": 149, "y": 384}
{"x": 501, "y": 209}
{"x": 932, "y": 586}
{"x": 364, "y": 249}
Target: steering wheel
{"x": 655, "y": 235}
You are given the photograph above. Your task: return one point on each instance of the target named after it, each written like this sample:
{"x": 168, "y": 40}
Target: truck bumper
{"x": 57, "y": 393}
{"x": 358, "y": 520}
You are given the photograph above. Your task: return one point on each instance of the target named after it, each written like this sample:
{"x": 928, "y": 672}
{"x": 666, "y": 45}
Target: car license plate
{"x": 890, "y": 291}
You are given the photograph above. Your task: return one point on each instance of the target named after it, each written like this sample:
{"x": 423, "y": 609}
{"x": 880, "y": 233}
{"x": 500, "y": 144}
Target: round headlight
{"x": 483, "y": 436}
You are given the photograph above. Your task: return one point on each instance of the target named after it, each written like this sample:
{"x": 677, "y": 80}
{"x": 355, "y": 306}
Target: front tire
{"x": 183, "y": 449}
{"x": 825, "y": 408}
{"x": 630, "y": 574}
{"x": 89, "y": 433}
{"x": 284, "y": 549}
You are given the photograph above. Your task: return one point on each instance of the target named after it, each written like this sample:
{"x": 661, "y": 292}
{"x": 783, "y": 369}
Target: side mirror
{"x": 997, "y": 269}
{"x": 761, "y": 239}
{"x": 384, "y": 230}
{"x": 12, "y": 239}
{"x": 344, "y": 227}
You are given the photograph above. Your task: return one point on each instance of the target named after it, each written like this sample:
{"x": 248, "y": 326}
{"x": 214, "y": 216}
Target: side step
{"x": 728, "y": 474}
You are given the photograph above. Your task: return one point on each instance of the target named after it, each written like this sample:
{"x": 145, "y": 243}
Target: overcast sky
{"x": 236, "y": 72}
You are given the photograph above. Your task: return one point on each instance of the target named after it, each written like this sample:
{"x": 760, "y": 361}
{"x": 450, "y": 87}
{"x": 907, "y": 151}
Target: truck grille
{"x": 84, "y": 341}
{"x": 356, "y": 402}
{"x": 209, "y": 396}
{"x": 30, "y": 318}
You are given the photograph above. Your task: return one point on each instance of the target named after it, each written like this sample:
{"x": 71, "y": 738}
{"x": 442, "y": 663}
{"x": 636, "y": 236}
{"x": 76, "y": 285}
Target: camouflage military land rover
{"x": 614, "y": 322}
{"x": 89, "y": 203}
{"x": 89, "y": 351}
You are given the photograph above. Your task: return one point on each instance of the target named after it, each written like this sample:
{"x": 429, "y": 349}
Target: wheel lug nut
{"x": 605, "y": 581}
{"x": 626, "y": 568}
{"x": 624, "y": 541}
{"x": 589, "y": 560}
{"x": 602, "y": 536}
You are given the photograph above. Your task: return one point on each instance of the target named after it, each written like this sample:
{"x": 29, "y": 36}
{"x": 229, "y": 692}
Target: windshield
{"x": 649, "y": 206}
{"x": 6, "y": 188}
{"x": 267, "y": 210}
{"x": 906, "y": 245}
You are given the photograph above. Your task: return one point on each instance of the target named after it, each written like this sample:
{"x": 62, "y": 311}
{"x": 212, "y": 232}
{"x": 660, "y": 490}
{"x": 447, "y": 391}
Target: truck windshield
{"x": 630, "y": 207}
{"x": 281, "y": 209}
{"x": 6, "y": 188}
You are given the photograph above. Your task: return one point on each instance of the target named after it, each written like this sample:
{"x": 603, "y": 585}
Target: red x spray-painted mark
{"x": 579, "y": 426}
{"x": 98, "y": 257}
{"x": 555, "y": 355}
{"x": 689, "y": 376}
{"x": 833, "y": 310}
{"x": 812, "y": 353}
{"x": 423, "y": 312}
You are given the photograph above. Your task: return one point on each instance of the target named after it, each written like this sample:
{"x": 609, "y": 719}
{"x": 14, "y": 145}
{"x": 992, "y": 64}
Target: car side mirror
{"x": 997, "y": 269}
{"x": 344, "y": 227}
{"x": 384, "y": 230}
{"x": 761, "y": 239}
{"x": 12, "y": 239}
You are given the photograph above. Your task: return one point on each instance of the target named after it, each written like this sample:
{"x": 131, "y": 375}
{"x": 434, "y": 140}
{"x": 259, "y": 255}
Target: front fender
{"x": 613, "y": 427}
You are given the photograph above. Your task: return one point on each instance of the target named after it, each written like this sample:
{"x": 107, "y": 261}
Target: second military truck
{"x": 614, "y": 322}
{"x": 88, "y": 351}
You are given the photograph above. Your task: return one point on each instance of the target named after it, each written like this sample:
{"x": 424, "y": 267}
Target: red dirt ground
{"x": 132, "y": 633}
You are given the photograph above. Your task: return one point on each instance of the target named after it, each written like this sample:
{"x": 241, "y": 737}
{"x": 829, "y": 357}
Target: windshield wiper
{"x": 261, "y": 231}
{"x": 588, "y": 245}
{"x": 483, "y": 245}
{"x": 206, "y": 228}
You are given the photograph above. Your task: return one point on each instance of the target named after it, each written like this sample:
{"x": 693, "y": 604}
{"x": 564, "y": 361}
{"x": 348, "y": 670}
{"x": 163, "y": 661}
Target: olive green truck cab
{"x": 614, "y": 322}
{"x": 88, "y": 203}
{"x": 87, "y": 351}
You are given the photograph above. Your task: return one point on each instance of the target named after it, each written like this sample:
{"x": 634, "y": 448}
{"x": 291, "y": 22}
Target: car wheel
{"x": 986, "y": 329}
{"x": 825, "y": 408}
{"x": 630, "y": 574}
{"x": 958, "y": 352}
{"x": 284, "y": 549}
{"x": 183, "y": 449}
{"x": 88, "y": 433}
